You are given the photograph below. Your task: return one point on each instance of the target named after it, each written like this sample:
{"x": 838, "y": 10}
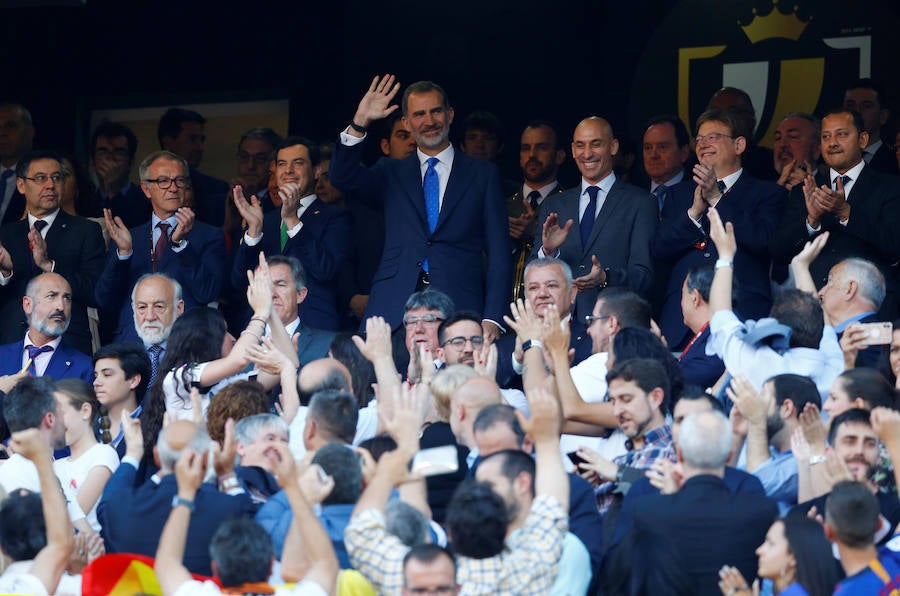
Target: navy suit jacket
{"x": 76, "y": 246}
{"x": 65, "y": 363}
{"x": 871, "y": 232}
{"x": 132, "y": 517}
{"x": 753, "y": 207}
{"x": 884, "y": 160}
{"x": 198, "y": 268}
{"x": 312, "y": 343}
{"x": 699, "y": 369}
{"x": 472, "y": 223}
{"x": 620, "y": 239}
{"x": 711, "y": 526}
{"x": 15, "y": 208}
{"x": 321, "y": 246}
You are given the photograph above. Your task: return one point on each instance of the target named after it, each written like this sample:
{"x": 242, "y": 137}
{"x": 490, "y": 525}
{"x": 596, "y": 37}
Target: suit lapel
{"x": 57, "y": 232}
{"x": 410, "y": 172}
{"x": 459, "y": 181}
{"x": 611, "y": 203}
{"x": 59, "y": 364}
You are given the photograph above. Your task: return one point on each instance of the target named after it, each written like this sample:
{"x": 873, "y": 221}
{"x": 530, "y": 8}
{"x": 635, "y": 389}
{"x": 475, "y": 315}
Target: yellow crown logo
{"x": 774, "y": 24}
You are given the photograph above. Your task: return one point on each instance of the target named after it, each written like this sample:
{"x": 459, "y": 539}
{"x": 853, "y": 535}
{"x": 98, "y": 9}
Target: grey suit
{"x": 620, "y": 238}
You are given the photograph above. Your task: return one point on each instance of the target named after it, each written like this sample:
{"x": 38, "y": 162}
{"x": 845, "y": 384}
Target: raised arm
{"x": 377, "y": 350}
{"x": 51, "y": 561}
{"x": 544, "y": 428}
{"x": 726, "y": 245}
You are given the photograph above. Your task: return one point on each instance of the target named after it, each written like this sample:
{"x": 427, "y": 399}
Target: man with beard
{"x": 796, "y": 150}
{"x": 156, "y": 301}
{"x": 856, "y": 449}
{"x": 443, "y": 209}
{"x": 540, "y": 156}
{"x": 47, "y": 239}
{"x": 767, "y": 420}
{"x": 48, "y": 305}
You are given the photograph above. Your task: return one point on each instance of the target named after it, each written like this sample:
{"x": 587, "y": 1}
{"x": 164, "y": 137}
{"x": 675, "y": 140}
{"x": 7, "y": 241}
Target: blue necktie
{"x": 590, "y": 214}
{"x": 721, "y": 185}
{"x": 432, "y": 188}
{"x": 844, "y": 180}
{"x": 662, "y": 193}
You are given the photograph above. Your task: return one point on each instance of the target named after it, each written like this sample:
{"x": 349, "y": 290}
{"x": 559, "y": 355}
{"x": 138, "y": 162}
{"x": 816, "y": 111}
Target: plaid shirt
{"x": 528, "y": 565}
{"x": 657, "y": 445}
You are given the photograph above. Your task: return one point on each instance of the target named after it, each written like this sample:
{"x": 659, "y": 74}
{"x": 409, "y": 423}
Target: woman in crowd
{"x": 795, "y": 556}
{"x": 84, "y": 473}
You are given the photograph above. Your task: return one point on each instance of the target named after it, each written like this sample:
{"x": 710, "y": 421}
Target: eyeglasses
{"x": 42, "y": 178}
{"x": 711, "y": 137}
{"x": 459, "y": 343}
{"x": 424, "y": 319}
{"x": 165, "y": 182}
{"x": 259, "y": 159}
{"x": 115, "y": 153}
{"x": 589, "y": 319}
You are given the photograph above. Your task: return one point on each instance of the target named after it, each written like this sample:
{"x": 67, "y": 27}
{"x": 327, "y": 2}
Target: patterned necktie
{"x": 533, "y": 197}
{"x": 590, "y": 214}
{"x": 33, "y": 352}
{"x": 161, "y": 243}
{"x": 155, "y": 354}
{"x": 721, "y": 185}
{"x": 432, "y": 187}
{"x": 844, "y": 180}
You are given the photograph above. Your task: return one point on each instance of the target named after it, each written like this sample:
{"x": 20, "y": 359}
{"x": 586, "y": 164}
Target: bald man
{"x": 603, "y": 227}
{"x": 132, "y": 517}
{"x": 466, "y": 402}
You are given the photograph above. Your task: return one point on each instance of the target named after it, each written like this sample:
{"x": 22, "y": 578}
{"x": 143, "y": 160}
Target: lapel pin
{"x": 68, "y": 363}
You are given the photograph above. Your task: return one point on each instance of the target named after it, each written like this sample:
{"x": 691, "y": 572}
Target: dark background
{"x": 558, "y": 59}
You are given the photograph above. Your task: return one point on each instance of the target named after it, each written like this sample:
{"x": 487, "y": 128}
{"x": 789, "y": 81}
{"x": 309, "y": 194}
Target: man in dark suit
{"x": 857, "y": 205}
{"x": 288, "y": 293}
{"x": 866, "y": 97}
{"x": 315, "y": 233}
{"x": 49, "y": 239}
{"x": 113, "y": 147}
{"x": 751, "y": 205}
{"x": 41, "y": 351}
{"x": 616, "y": 221}
{"x": 132, "y": 516}
{"x": 710, "y": 525}
{"x": 698, "y": 368}
{"x": 540, "y": 155}
{"x": 546, "y": 281}
{"x": 16, "y": 138}
{"x": 443, "y": 209}
{"x": 181, "y": 132}
{"x": 172, "y": 242}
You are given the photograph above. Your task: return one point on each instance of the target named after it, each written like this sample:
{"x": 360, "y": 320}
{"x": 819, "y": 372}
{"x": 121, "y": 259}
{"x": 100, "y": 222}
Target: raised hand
{"x": 376, "y": 103}
{"x": 259, "y": 290}
{"x": 813, "y": 209}
{"x": 185, "y": 218}
{"x": 746, "y": 399}
{"x": 524, "y": 321}
{"x": 810, "y": 251}
{"x": 38, "y": 247}
{"x": 552, "y": 235}
{"x": 118, "y": 233}
{"x": 596, "y": 277}
{"x": 377, "y": 344}
{"x": 250, "y": 210}
{"x": 722, "y": 236}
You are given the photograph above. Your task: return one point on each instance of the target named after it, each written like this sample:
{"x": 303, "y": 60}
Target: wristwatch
{"x": 532, "y": 343}
{"x": 176, "y": 501}
{"x": 817, "y": 459}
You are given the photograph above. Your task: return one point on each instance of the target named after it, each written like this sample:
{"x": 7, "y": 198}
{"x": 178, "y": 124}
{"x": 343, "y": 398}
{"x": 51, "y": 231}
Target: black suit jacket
{"x": 15, "y": 208}
{"x": 871, "y": 233}
{"x": 753, "y": 207}
{"x": 76, "y": 246}
{"x": 711, "y": 527}
{"x": 884, "y": 160}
